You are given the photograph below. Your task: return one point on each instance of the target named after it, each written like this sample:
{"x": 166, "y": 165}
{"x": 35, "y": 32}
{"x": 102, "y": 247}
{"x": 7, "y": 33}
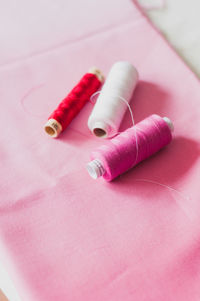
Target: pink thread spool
{"x": 130, "y": 147}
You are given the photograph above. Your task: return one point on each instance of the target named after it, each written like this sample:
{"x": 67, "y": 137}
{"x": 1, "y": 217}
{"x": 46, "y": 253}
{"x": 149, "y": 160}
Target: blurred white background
{"x": 179, "y": 21}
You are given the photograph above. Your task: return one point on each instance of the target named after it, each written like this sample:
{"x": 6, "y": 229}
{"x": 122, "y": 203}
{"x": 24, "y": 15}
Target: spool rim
{"x": 53, "y": 128}
{"x": 169, "y": 123}
{"x": 98, "y": 73}
{"x": 100, "y": 129}
{"x": 95, "y": 169}
{"x": 99, "y": 133}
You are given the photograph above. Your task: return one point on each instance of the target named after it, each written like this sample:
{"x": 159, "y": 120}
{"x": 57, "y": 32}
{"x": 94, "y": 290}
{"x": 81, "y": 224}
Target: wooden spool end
{"x": 53, "y": 128}
{"x": 98, "y": 73}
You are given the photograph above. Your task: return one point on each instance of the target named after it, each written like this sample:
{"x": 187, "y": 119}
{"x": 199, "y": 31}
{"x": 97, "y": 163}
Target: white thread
{"x": 108, "y": 111}
{"x": 118, "y": 96}
{"x": 183, "y": 196}
{"x": 132, "y": 119}
{"x": 93, "y": 95}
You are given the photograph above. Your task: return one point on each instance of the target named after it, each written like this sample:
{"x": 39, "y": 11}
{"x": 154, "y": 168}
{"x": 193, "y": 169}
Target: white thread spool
{"x": 110, "y": 108}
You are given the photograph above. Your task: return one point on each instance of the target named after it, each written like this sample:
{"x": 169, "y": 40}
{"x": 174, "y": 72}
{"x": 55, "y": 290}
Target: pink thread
{"x": 128, "y": 148}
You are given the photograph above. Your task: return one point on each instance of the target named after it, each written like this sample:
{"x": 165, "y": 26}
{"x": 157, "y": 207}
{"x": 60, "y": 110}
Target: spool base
{"x": 53, "y": 128}
{"x": 169, "y": 123}
{"x": 97, "y": 72}
{"x": 101, "y": 129}
{"x": 95, "y": 169}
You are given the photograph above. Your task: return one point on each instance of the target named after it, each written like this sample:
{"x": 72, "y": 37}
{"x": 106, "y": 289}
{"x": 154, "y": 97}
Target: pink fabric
{"x": 67, "y": 236}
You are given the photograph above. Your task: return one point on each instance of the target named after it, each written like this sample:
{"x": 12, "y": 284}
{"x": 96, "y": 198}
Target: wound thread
{"x": 130, "y": 147}
{"x": 113, "y": 100}
{"x": 73, "y": 103}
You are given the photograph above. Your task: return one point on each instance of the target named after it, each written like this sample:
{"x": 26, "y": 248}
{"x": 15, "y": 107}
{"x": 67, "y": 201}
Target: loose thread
{"x": 165, "y": 186}
{"x": 183, "y": 196}
{"x": 132, "y": 118}
{"x": 118, "y": 96}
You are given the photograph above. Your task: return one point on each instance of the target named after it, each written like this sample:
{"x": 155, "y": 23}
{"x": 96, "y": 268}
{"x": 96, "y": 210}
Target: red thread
{"x": 72, "y": 104}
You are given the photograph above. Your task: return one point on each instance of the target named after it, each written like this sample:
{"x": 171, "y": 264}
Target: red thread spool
{"x": 72, "y": 104}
